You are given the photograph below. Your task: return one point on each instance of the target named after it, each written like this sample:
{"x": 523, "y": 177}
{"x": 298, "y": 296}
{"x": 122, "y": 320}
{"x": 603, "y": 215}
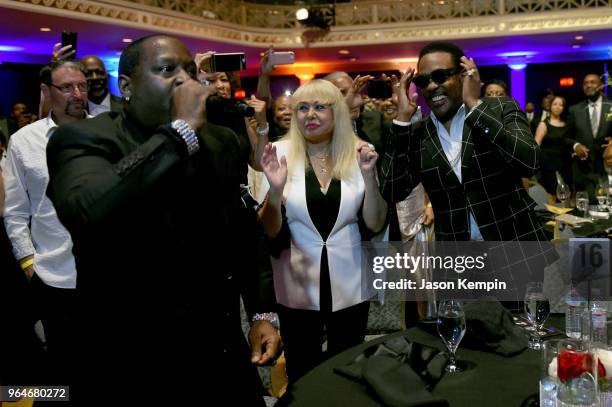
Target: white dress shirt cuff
{"x": 474, "y": 108}
{"x": 22, "y": 248}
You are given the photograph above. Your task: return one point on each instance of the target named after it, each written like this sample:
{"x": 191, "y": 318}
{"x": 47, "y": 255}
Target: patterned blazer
{"x": 497, "y": 150}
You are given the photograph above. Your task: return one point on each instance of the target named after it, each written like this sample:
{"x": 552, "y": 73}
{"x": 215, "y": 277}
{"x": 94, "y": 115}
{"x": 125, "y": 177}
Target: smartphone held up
{"x": 70, "y": 38}
{"x": 380, "y": 89}
{"x": 228, "y": 62}
{"x": 282, "y": 58}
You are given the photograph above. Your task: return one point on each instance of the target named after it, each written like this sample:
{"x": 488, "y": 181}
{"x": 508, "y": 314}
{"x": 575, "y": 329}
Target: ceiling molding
{"x": 135, "y": 15}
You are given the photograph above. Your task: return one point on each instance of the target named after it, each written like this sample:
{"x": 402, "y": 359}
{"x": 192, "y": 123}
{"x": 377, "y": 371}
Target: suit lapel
{"x": 587, "y": 118}
{"x": 432, "y": 145}
{"x": 467, "y": 150}
{"x": 605, "y": 109}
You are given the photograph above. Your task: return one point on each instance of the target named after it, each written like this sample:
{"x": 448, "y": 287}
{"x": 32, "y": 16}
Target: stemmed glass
{"x": 451, "y": 328}
{"x": 537, "y": 309}
{"x": 601, "y": 193}
{"x": 563, "y": 193}
{"x": 582, "y": 202}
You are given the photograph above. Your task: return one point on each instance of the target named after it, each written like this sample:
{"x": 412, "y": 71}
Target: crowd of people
{"x": 134, "y": 225}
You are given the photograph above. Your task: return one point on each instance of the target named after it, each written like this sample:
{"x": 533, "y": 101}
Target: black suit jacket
{"x": 587, "y": 172}
{"x": 535, "y": 121}
{"x": 156, "y": 236}
{"x": 498, "y": 149}
{"x": 371, "y": 127}
{"x": 116, "y": 104}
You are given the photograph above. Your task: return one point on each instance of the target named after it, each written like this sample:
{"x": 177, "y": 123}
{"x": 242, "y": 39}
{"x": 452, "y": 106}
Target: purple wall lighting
{"x": 517, "y": 83}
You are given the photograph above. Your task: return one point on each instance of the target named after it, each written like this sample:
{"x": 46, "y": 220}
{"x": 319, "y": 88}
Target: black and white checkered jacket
{"x": 497, "y": 150}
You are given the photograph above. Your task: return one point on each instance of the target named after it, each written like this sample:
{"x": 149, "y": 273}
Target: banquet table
{"x": 490, "y": 380}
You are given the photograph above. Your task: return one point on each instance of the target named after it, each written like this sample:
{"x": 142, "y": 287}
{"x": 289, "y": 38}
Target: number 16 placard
{"x": 589, "y": 262}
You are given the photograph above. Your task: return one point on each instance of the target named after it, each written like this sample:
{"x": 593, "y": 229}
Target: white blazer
{"x": 297, "y": 271}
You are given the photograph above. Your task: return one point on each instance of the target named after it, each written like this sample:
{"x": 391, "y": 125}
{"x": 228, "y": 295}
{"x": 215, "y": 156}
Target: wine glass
{"x": 451, "y": 328}
{"x": 582, "y": 202}
{"x": 563, "y": 193}
{"x": 537, "y": 309}
{"x": 601, "y": 193}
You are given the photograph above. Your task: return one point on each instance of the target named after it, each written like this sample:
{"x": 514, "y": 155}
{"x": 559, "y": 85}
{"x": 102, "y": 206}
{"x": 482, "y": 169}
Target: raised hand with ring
{"x": 471, "y": 82}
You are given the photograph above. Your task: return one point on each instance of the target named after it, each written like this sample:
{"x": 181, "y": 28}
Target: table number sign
{"x": 589, "y": 265}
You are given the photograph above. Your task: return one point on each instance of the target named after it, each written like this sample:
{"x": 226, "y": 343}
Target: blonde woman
{"x": 322, "y": 199}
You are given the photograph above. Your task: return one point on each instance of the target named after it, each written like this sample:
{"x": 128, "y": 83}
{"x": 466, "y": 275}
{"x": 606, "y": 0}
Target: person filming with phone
{"x": 221, "y": 70}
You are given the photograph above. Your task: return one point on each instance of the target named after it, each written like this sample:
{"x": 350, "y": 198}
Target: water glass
{"x": 601, "y": 193}
{"x": 548, "y": 373}
{"x": 451, "y": 328}
{"x": 582, "y": 202}
{"x": 537, "y": 309}
{"x": 577, "y": 385}
{"x": 603, "y": 374}
{"x": 563, "y": 193}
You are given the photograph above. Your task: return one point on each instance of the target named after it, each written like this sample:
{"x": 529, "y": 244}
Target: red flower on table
{"x": 573, "y": 364}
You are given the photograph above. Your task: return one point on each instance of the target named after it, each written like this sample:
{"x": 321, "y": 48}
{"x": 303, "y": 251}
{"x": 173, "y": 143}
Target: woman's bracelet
{"x": 26, "y": 263}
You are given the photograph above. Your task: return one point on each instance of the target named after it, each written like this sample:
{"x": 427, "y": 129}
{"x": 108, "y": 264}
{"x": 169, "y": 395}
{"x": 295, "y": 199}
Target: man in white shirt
{"x": 100, "y": 100}
{"x": 41, "y": 244}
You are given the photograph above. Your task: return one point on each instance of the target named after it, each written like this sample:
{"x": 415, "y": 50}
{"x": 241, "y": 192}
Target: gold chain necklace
{"x": 321, "y": 161}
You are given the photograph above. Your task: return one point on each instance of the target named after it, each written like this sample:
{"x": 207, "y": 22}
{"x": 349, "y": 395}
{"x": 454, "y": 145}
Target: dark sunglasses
{"x": 439, "y": 76}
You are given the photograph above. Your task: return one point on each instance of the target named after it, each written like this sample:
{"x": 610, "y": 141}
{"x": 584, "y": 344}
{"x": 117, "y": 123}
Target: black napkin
{"x": 490, "y": 327}
{"x": 401, "y": 373}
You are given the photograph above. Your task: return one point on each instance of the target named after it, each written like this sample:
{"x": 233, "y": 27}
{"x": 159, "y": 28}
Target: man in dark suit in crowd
{"x": 592, "y": 122}
{"x": 152, "y": 199}
{"x": 369, "y": 126}
{"x": 100, "y": 99}
{"x": 529, "y": 112}
{"x": 470, "y": 153}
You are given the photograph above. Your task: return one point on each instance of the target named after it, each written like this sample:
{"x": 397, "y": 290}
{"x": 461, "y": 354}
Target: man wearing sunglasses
{"x": 470, "y": 153}
{"x": 40, "y": 242}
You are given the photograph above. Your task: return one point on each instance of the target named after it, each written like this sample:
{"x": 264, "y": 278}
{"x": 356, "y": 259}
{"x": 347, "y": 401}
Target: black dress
{"x": 556, "y": 156}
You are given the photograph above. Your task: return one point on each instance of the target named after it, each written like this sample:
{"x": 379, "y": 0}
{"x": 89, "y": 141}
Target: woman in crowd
{"x": 554, "y": 137}
{"x": 389, "y": 108}
{"x": 253, "y": 134}
{"x": 281, "y": 117}
{"x": 322, "y": 201}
